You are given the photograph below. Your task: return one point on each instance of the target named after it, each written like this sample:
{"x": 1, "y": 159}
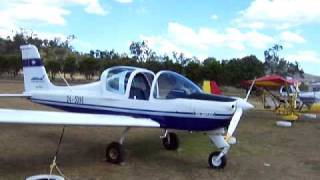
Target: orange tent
{"x": 270, "y": 81}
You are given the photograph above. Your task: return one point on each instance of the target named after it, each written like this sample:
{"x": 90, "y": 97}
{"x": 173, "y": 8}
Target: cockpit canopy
{"x": 138, "y": 83}
{"x": 170, "y": 85}
{"x": 117, "y": 79}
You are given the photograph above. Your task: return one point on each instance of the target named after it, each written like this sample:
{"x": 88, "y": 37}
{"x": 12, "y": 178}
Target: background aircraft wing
{"x": 12, "y": 116}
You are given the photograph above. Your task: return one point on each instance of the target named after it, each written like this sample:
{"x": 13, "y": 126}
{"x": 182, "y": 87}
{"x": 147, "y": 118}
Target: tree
{"x": 14, "y": 64}
{"x": 212, "y": 69}
{"x": 88, "y": 66}
{"x": 70, "y": 66}
{"x": 141, "y": 52}
{"x": 4, "y": 65}
{"x": 53, "y": 67}
{"x": 272, "y": 59}
{"x": 168, "y": 64}
{"x": 180, "y": 58}
{"x": 251, "y": 67}
{"x": 193, "y": 71}
{"x": 276, "y": 65}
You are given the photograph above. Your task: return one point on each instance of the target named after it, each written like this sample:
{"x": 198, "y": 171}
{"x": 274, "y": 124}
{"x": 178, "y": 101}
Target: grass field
{"x": 264, "y": 151}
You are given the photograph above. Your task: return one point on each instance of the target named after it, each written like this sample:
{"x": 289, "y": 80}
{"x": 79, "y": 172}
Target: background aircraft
{"x": 130, "y": 97}
{"x": 288, "y": 101}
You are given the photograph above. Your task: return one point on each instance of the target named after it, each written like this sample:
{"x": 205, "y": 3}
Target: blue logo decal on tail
{"x": 37, "y": 79}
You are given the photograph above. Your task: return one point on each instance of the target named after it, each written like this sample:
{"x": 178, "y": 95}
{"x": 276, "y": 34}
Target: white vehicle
{"x": 130, "y": 97}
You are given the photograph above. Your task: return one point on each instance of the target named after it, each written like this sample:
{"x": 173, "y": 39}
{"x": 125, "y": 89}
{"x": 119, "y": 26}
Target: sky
{"x": 208, "y": 28}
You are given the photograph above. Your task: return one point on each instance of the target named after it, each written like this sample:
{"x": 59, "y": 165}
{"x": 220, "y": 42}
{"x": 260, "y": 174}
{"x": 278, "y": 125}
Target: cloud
{"x": 182, "y": 38}
{"x": 124, "y": 1}
{"x": 81, "y": 45}
{"x": 214, "y": 17}
{"x": 37, "y": 12}
{"x": 258, "y": 40}
{"x": 17, "y": 12}
{"x": 91, "y": 6}
{"x": 207, "y": 37}
{"x": 164, "y": 46}
{"x": 280, "y": 14}
{"x": 45, "y": 11}
{"x": 252, "y": 25}
{"x": 291, "y": 37}
{"x": 304, "y": 56}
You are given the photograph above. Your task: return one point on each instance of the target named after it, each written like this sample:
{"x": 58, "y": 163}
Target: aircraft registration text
{"x": 75, "y": 99}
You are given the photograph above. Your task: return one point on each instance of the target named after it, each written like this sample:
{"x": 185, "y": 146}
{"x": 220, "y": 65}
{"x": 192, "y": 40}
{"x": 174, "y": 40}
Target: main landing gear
{"x": 115, "y": 151}
{"x": 218, "y": 159}
{"x": 170, "y": 141}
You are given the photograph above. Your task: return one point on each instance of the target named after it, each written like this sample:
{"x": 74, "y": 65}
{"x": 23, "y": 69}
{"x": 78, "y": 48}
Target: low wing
{"x": 12, "y": 116}
{"x": 14, "y": 95}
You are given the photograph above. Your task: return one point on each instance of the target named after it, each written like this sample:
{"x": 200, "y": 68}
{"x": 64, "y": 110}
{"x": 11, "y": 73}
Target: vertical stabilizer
{"x": 35, "y": 76}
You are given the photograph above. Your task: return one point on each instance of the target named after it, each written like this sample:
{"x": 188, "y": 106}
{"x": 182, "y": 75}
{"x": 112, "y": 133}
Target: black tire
{"x": 115, "y": 153}
{"x": 221, "y": 164}
{"x": 171, "y": 142}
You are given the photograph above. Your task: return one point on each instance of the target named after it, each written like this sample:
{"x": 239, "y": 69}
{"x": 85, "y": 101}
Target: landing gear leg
{"x": 218, "y": 159}
{"x": 115, "y": 150}
{"x": 170, "y": 141}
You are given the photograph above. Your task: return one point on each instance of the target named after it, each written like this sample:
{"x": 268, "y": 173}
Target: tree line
{"x": 60, "y": 56}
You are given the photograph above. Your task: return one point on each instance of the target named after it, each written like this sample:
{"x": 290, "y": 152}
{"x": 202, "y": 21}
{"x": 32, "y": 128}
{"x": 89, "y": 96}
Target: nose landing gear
{"x": 216, "y": 163}
{"x": 218, "y": 159}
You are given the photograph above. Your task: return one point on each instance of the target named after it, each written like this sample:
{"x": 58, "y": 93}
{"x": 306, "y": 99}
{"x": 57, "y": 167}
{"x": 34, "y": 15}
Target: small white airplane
{"x": 130, "y": 97}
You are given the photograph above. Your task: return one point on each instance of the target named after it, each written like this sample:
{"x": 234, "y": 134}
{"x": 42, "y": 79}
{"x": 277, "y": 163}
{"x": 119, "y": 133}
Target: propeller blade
{"x": 251, "y": 86}
{"x": 234, "y": 122}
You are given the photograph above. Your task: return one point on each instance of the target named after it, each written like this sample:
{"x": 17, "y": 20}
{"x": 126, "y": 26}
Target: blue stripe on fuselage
{"x": 43, "y": 101}
{"x": 165, "y": 121}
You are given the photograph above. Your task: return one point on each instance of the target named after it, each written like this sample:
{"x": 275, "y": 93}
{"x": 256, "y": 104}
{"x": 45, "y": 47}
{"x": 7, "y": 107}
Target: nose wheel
{"x": 215, "y": 162}
{"x": 170, "y": 141}
{"x": 218, "y": 159}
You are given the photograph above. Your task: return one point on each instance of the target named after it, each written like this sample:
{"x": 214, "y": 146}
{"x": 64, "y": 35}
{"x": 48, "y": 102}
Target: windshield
{"x": 173, "y": 85}
{"x": 117, "y": 80}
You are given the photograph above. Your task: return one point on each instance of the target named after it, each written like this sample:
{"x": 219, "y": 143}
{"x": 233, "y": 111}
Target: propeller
{"x": 242, "y": 105}
{"x": 234, "y": 122}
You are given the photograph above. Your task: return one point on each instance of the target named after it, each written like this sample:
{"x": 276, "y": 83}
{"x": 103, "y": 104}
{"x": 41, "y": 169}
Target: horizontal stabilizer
{"x": 11, "y": 116}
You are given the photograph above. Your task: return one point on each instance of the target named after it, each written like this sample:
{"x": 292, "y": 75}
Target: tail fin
{"x": 35, "y": 76}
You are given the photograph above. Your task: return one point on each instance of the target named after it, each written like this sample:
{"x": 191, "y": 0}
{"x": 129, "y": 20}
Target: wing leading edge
{"x": 12, "y": 116}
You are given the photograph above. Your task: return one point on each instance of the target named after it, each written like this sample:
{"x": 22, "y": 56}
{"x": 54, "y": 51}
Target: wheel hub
{"x": 113, "y": 153}
{"x": 216, "y": 162}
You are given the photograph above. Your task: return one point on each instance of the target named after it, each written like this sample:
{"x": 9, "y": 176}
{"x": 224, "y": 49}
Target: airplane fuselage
{"x": 179, "y": 113}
